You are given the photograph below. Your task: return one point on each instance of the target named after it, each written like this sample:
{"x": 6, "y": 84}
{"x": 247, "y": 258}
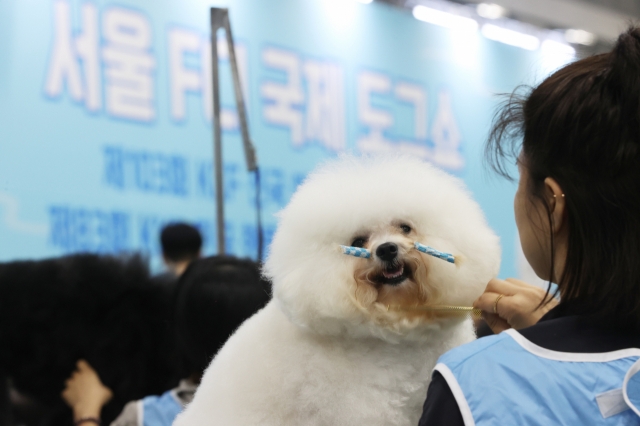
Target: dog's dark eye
{"x": 405, "y": 228}
{"x": 358, "y": 242}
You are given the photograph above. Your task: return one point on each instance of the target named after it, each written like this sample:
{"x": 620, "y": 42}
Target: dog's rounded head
{"x": 383, "y": 205}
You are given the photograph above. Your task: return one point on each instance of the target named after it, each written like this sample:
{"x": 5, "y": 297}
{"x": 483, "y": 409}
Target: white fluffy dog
{"x": 344, "y": 341}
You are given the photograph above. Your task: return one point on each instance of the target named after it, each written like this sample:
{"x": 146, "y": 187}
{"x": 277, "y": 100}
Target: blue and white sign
{"x": 105, "y": 113}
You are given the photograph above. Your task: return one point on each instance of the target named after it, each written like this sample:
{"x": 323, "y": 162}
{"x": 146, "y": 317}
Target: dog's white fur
{"x": 326, "y": 351}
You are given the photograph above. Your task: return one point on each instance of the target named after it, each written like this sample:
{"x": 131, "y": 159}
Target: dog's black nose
{"x": 387, "y": 251}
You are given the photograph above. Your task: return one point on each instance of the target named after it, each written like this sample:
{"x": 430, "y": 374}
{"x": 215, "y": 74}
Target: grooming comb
{"x": 459, "y": 310}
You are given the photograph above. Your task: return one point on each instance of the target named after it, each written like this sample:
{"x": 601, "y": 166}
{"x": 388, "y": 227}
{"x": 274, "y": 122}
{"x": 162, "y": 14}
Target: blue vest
{"x": 507, "y": 380}
{"x": 159, "y": 410}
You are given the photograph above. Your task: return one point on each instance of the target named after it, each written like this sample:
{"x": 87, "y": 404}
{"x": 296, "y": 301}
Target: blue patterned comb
{"x": 435, "y": 253}
{"x": 356, "y": 251}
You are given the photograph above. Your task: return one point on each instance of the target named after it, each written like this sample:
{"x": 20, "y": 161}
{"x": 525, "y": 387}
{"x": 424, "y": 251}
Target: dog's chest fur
{"x": 272, "y": 372}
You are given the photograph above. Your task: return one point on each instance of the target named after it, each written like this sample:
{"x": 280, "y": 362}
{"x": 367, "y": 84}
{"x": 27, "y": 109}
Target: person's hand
{"x": 519, "y": 307}
{"x": 85, "y": 393}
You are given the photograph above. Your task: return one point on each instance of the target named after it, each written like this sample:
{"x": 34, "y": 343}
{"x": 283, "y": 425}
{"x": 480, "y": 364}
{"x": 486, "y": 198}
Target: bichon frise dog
{"x": 346, "y": 340}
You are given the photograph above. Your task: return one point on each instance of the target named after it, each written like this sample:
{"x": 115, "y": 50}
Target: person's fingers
{"x": 486, "y": 301}
{"x": 508, "y": 308}
{"x": 526, "y": 288}
{"x": 501, "y": 304}
{"x": 499, "y": 286}
{"x": 66, "y": 395}
{"x": 518, "y": 289}
{"x": 495, "y": 323}
{"x": 109, "y": 394}
{"x": 83, "y": 365}
{"x": 512, "y": 303}
{"x": 517, "y": 282}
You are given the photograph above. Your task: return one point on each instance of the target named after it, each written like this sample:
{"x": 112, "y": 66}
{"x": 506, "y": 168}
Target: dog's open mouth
{"x": 393, "y": 273}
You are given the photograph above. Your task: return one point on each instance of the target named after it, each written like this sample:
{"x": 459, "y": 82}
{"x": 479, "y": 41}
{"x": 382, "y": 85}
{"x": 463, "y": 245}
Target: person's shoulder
{"x": 478, "y": 347}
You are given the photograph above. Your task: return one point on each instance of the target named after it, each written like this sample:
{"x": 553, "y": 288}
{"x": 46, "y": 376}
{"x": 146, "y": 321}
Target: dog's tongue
{"x": 393, "y": 273}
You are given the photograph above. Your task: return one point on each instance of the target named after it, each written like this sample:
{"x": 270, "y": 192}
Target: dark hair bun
{"x": 625, "y": 63}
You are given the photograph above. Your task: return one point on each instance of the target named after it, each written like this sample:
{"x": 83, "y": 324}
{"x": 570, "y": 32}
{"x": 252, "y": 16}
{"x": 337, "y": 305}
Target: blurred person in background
{"x": 215, "y": 295}
{"x": 101, "y": 308}
{"x": 181, "y": 244}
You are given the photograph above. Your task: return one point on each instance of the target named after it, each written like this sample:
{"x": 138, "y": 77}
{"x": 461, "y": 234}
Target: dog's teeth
{"x": 395, "y": 274}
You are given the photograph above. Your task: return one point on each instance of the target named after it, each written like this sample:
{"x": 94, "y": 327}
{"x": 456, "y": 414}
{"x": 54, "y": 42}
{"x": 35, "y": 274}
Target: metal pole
{"x": 217, "y": 18}
{"x": 249, "y": 151}
{"x": 220, "y": 19}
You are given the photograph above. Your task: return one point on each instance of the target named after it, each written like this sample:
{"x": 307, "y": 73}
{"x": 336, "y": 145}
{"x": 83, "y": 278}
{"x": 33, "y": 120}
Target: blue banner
{"x": 105, "y": 111}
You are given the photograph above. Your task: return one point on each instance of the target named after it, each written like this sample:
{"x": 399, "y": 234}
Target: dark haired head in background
{"x": 216, "y": 294}
{"x": 103, "y": 309}
{"x": 581, "y": 127}
{"x": 181, "y": 243}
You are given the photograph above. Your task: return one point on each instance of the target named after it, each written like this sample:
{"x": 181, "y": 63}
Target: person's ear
{"x": 556, "y": 202}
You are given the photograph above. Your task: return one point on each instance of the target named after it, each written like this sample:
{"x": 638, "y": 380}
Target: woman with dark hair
{"x": 576, "y": 141}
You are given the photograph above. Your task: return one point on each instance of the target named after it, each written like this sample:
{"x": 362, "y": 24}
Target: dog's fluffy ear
{"x": 351, "y": 194}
